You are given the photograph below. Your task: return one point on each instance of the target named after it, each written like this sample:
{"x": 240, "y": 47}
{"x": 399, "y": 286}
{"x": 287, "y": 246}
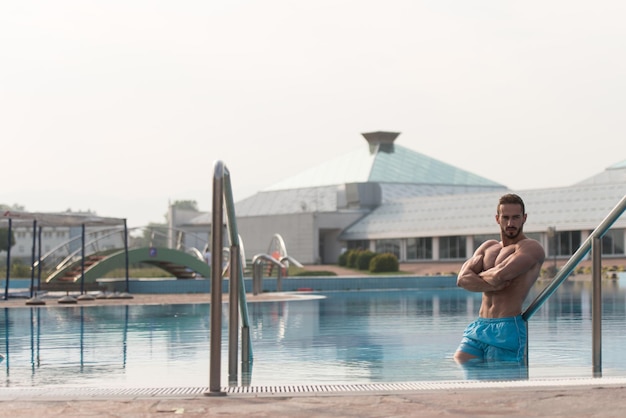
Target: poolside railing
{"x": 592, "y": 243}
{"x": 578, "y": 256}
{"x": 223, "y": 197}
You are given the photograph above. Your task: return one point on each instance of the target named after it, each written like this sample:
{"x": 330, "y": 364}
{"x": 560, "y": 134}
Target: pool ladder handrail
{"x": 593, "y": 243}
{"x": 223, "y": 198}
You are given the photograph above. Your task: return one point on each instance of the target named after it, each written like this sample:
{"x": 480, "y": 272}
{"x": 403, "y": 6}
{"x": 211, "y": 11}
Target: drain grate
{"x": 64, "y": 393}
{"x": 417, "y": 386}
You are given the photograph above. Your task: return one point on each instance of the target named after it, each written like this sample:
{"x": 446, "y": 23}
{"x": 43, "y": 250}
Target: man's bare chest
{"x": 496, "y": 254}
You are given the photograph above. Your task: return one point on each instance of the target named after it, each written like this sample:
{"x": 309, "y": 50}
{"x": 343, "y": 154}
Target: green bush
{"x": 384, "y": 263}
{"x": 550, "y": 271}
{"x": 20, "y": 269}
{"x": 363, "y": 259}
{"x": 314, "y": 273}
{"x": 352, "y": 257}
{"x": 343, "y": 259}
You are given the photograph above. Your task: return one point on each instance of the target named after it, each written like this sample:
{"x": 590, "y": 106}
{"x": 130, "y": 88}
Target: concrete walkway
{"x": 589, "y": 400}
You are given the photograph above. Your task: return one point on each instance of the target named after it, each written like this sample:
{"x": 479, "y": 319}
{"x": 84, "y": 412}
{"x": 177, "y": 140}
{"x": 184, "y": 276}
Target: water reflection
{"x": 76, "y": 345}
{"x": 346, "y": 337}
{"x": 494, "y": 371}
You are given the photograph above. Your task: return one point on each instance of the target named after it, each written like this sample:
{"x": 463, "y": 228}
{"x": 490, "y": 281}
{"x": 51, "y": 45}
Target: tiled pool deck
{"x": 566, "y": 398}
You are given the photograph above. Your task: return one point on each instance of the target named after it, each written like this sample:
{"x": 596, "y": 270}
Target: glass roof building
{"x": 389, "y": 198}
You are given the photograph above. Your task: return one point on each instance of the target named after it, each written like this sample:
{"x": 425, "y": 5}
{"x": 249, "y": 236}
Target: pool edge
{"x": 82, "y": 393}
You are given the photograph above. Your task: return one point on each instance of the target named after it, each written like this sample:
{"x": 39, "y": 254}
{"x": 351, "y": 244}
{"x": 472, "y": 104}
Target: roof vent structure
{"x": 381, "y": 141}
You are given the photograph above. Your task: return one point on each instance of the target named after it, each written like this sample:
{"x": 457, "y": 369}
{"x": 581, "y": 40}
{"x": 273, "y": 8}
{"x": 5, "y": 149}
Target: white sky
{"x": 121, "y": 106}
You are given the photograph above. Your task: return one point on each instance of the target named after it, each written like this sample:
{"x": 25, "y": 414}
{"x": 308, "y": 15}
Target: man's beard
{"x": 511, "y": 234}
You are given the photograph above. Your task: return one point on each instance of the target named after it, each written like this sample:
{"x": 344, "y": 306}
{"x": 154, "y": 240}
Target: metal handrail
{"x": 217, "y": 220}
{"x": 257, "y": 272}
{"x": 92, "y": 244}
{"x": 67, "y": 244}
{"x": 235, "y": 241}
{"x": 290, "y": 259}
{"x": 578, "y": 256}
{"x": 223, "y": 197}
{"x": 280, "y": 244}
{"x": 593, "y": 243}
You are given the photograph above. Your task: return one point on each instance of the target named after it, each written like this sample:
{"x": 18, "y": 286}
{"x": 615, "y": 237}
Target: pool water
{"x": 344, "y": 337}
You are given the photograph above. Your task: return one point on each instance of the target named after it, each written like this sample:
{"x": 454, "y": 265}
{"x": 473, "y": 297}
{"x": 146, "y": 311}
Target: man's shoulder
{"x": 490, "y": 243}
{"x": 531, "y": 245}
{"x": 529, "y": 242}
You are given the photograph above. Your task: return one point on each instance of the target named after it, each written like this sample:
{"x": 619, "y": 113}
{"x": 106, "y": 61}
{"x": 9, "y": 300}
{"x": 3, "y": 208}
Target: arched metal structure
{"x": 178, "y": 263}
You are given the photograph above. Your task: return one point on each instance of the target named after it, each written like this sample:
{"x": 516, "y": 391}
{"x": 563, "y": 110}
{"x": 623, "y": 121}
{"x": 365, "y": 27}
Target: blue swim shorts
{"x": 496, "y": 339}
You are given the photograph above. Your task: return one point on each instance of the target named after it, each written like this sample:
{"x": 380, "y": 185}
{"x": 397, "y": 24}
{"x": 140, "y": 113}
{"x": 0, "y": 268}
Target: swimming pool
{"x": 344, "y": 337}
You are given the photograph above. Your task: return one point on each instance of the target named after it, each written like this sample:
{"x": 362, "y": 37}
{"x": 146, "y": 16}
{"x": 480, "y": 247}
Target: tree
{"x": 183, "y": 205}
{"x": 186, "y": 205}
{"x": 154, "y": 235}
{"x": 4, "y": 239}
{"x": 4, "y": 232}
{"x": 14, "y": 206}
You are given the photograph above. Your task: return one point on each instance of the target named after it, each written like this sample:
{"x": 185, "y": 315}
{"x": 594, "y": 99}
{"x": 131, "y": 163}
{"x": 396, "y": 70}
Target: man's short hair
{"x": 511, "y": 199}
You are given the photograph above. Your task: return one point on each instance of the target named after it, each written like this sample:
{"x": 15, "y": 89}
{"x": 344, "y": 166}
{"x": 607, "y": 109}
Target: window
{"x": 452, "y": 247}
{"x": 613, "y": 242}
{"x": 388, "y": 246}
{"x": 419, "y": 249}
{"x": 566, "y": 243}
{"x": 534, "y": 235}
{"x": 479, "y": 239}
{"x": 362, "y": 244}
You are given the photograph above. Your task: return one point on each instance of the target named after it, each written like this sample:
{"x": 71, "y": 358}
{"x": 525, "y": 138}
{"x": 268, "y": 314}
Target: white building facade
{"x": 388, "y": 198}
